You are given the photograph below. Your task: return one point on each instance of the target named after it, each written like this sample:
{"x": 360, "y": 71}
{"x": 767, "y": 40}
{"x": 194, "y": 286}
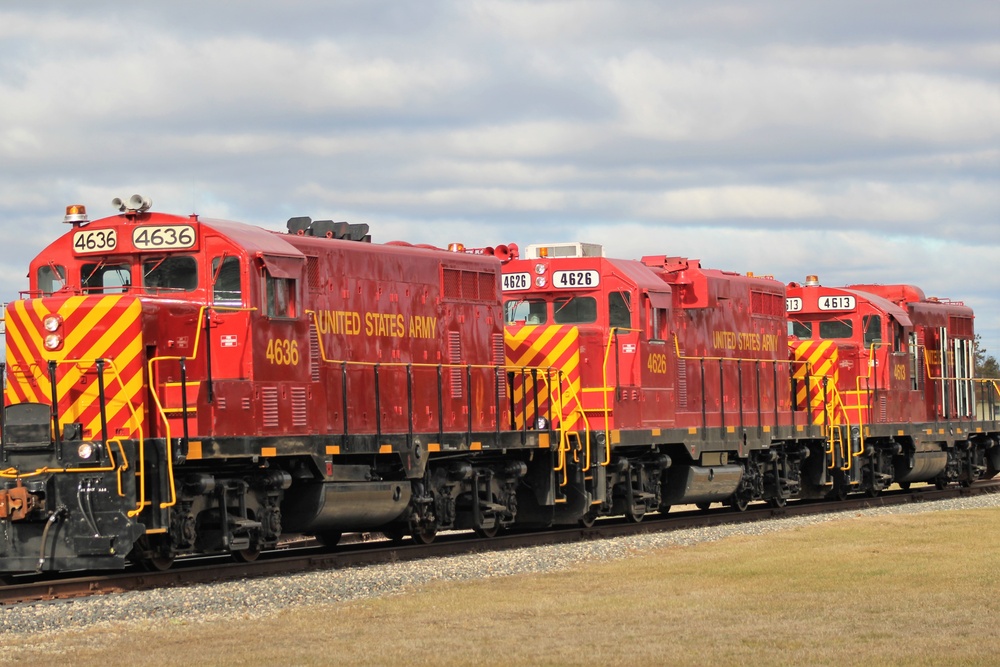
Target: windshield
{"x": 575, "y": 310}
{"x": 170, "y": 274}
{"x": 529, "y": 312}
{"x": 105, "y": 278}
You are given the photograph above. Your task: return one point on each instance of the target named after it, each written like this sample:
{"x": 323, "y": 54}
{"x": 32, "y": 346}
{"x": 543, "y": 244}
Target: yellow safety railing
{"x": 543, "y": 373}
{"x": 161, "y": 412}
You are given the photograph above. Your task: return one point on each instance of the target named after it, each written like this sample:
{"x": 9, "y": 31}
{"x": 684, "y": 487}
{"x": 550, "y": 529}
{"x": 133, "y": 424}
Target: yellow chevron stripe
{"x": 100, "y": 349}
{"x": 18, "y": 348}
{"x": 90, "y": 322}
{"x": 535, "y": 348}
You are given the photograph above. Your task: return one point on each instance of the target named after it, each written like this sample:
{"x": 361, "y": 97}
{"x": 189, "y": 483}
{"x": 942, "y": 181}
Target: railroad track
{"x": 308, "y": 557}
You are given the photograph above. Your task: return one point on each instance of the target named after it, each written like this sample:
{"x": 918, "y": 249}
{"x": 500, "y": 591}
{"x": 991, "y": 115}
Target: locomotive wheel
{"x": 158, "y": 563}
{"x": 152, "y": 554}
{"x": 704, "y": 507}
{"x": 247, "y": 555}
{"x": 739, "y": 502}
{"x": 424, "y": 535}
{"x": 777, "y": 502}
{"x": 329, "y": 538}
{"x": 905, "y": 486}
{"x": 487, "y": 532}
{"x": 635, "y": 517}
{"x": 588, "y": 519}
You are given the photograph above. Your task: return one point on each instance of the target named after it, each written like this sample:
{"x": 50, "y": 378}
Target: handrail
{"x": 162, "y": 412}
{"x": 136, "y": 422}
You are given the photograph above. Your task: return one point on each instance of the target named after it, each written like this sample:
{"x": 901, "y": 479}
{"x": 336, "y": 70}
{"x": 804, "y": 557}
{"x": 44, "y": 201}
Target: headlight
{"x": 53, "y": 341}
{"x": 542, "y": 423}
{"x": 540, "y": 281}
{"x": 85, "y": 451}
{"x": 539, "y": 269}
{"x": 51, "y": 323}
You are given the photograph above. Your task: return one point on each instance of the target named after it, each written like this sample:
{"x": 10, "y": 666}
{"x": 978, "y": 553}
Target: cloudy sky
{"x": 857, "y": 140}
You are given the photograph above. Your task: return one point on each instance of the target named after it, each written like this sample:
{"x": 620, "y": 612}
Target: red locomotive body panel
{"x": 663, "y": 343}
{"x": 391, "y": 307}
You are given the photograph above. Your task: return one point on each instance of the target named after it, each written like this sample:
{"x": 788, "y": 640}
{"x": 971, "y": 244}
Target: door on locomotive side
{"x": 658, "y": 361}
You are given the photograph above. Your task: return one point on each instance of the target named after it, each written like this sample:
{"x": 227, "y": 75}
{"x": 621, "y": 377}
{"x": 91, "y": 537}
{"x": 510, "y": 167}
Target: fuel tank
{"x": 701, "y": 484}
{"x": 343, "y": 506}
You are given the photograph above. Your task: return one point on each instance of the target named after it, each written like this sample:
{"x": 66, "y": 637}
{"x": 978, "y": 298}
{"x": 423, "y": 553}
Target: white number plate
{"x": 837, "y": 303}
{"x": 95, "y": 240}
{"x": 793, "y": 304}
{"x": 576, "y": 279}
{"x": 163, "y": 237}
{"x": 516, "y": 282}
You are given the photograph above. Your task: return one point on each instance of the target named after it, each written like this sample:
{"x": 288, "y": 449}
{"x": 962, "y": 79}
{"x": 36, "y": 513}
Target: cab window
{"x": 873, "y": 329}
{"x": 836, "y": 329}
{"x": 800, "y": 329}
{"x": 170, "y": 274}
{"x": 51, "y": 278}
{"x": 226, "y": 282}
{"x": 529, "y": 312}
{"x": 105, "y": 278}
{"x": 280, "y": 294}
{"x": 574, "y": 310}
{"x": 619, "y": 313}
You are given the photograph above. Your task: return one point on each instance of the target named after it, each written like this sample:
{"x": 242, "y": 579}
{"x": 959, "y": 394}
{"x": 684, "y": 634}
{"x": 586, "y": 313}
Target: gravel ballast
{"x": 258, "y": 598}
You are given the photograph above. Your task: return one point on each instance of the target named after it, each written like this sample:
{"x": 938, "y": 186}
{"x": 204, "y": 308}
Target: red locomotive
{"x": 214, "y": 385}
{"x": 897, "y": 367}
{"x": 178, "y": 385}
{"x": 680, "y": 373}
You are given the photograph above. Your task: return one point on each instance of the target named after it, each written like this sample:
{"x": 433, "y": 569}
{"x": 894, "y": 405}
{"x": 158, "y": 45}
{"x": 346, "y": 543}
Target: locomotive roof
{"x": 253, "y": 239}
{"x": 883, "y": 304}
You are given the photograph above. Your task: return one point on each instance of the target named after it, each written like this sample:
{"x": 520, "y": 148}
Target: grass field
{"x": 920, "y": 589}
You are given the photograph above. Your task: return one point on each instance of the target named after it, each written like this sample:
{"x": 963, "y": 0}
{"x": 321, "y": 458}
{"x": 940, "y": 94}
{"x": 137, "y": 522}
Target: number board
{"x": 846, "y": 302}
{"x": 576, "y": 279}
{"x": 164, "y": 237}
{"x": 516, "y": 282}
{"x": 793, "y": 304}
{"x": 95, "y": 240}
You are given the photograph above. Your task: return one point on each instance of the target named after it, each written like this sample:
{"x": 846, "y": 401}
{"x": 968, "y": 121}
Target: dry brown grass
{"x": 900, "y": 590}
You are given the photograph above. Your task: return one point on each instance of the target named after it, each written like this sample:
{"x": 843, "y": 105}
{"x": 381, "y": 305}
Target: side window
{"x": 174, "y": 273}
{"x": 226, "y": 282}
{"x": 657, "y": 323}
{"x": 280, "y": 295}
{"x": 619, "y": 312}
{"x": 873, "y": 330}
{"x": 51, "y": 278}
{"x": 104, "y": 278}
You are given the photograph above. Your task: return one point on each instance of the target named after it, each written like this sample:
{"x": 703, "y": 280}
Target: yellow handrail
{"x": 162, "y": 413}
{"x": 136, "y": 422}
